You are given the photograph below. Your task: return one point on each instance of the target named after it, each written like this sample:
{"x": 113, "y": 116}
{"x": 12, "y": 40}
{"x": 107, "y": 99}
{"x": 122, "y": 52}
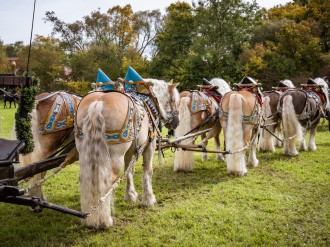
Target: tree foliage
{"x": 173, "y": 41}
{"x": 210, "y": 38}
{"x": 47, "y": 60}
{"x": 4, "y": 64}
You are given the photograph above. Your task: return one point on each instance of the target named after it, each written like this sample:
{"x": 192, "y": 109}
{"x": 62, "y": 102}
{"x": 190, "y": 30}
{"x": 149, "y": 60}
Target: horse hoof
{"x": 238, "y": 173}
{"x": 131, "y": 197}
{"x": 220, "y": 158}
{"x": 149, "y": 202}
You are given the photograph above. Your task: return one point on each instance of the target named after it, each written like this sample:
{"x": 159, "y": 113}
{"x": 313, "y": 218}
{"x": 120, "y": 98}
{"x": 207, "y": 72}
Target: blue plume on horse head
{"x": 101, "y": 78}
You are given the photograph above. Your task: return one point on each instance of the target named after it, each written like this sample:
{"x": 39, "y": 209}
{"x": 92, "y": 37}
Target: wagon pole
{"x": 169, "y": 141}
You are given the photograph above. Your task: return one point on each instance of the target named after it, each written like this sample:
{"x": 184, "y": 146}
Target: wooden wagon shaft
{"x": 181, "y": 138}
{"x": 38, "y": 167}
{"x": 34, "y": 202}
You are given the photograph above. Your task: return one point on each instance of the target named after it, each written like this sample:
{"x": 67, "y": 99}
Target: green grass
{"x": 7, "y": 119}
{"x": 283, "y": 202}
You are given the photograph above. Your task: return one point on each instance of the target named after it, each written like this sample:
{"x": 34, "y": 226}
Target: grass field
{"x": 283, "y": 202}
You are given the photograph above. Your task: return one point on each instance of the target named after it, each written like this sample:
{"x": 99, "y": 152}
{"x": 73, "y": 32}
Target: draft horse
{"x": 198, "y": 111}
{"x": 52, "y": 125}
{"x": 112, "y": 130}
{"x": 271, "y": 120}
{"x": 301, "y": 110}
{"x": 239, "y": 117}
{"x": 9, "y": 98}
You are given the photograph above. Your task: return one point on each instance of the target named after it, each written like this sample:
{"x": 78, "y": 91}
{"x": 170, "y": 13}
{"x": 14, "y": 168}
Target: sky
{"x": 16, "y": 15}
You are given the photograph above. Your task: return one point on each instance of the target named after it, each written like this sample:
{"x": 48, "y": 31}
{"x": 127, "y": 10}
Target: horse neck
{"x": 222, "y": 85}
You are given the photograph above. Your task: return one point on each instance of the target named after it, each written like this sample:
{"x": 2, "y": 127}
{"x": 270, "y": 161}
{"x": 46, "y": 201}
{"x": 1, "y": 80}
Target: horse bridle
{"x": 172, "y": 114}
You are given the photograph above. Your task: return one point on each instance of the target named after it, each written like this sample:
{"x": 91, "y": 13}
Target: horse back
{"x": 248, "y": 105}
{"x": 274, "y": 97}
{"x": 122, "y": 115}
{"x": 299, "y": 99}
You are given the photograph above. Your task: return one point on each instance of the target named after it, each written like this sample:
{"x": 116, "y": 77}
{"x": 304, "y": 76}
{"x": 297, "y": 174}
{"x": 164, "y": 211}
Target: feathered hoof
{"x": 253, "y": 163}
{"x": 312, "y": 148}
{"x": 149, "y": 202}
{"x": 99, "y": 225}
{"x": 238, "y": 173}
{"x": 131, "y": 197}
{"x": 183, "y": 169}
{"x": 205, "y": 157}
{"x": 267, "y": 149}
{"x": 219, "y": 157}
{"x": 292, "y": 154}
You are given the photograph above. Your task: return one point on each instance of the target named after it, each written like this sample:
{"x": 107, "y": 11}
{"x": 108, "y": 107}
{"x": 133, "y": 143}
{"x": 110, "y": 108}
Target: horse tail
{"x": 184, "y": 160}
{"x": 234, "y": 136}
{"x": 291, "y": 126}
{"x": 95, "y": 167}
{"x": 266, "y": 140}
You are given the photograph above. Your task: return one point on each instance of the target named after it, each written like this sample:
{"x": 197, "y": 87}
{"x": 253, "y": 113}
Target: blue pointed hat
{"x": 132, "y": 75}
{"x": 102, "y": 77}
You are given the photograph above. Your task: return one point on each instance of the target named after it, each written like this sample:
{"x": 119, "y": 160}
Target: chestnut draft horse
{"x": 113, "y": 129}
{"x": 239, "y": 118}
{"x": 52, "y": 124}
{"x": 199, "y": 111}
{"x": 271, "y": 121}
{"x": 301, "y": 111}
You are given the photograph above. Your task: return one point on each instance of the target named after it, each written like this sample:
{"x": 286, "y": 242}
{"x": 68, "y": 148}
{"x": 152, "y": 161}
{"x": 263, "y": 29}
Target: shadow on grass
{"x": 324, "y": 144}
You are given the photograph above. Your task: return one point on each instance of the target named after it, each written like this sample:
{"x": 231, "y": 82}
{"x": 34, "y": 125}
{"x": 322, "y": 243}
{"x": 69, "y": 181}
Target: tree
{"x": 12, "y": 49}
{"x": 173, "y": 41}
{"x": 146, "y": 25}
{"x": 224, "y": 28}
{"x": 73, "y": 36}
{"x": 47, "y": 60}
{"x": 4, "y": 64}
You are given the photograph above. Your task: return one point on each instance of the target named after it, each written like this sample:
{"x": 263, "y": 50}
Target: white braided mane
{"x": 222, "y": 85}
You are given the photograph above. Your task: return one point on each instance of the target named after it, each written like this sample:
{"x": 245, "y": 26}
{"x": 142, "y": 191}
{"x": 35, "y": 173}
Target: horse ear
{"x": 173, "y": 86}
{"x": 170, "y": 82}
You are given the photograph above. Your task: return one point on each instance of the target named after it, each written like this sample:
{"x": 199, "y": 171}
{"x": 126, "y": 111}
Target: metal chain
{"x": 289, "y": 138}
{"x": 239, "y": 150}
{"x": 119, "y": 180}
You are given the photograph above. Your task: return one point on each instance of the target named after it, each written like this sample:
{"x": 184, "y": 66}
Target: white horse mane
{"x": 288, "y": 83}
{"x": 222, "y": 85}
{"x": 160, "y": 90}
{"x": 320, "y": 81}
{"x": 252, "y": 80}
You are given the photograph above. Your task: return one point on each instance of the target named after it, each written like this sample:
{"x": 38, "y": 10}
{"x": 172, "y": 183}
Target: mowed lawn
{"x": 283, "y": 202}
